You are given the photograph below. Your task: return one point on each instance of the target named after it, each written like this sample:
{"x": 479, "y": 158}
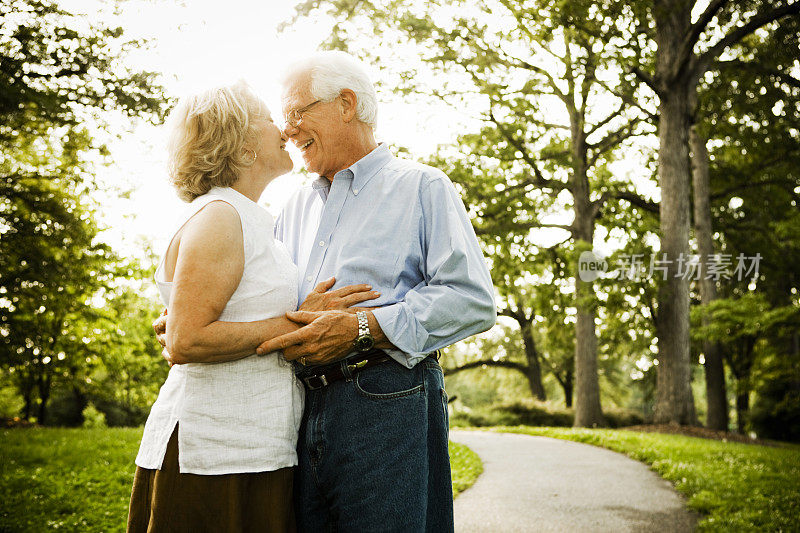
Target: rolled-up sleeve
{"x": 456, "y": 298}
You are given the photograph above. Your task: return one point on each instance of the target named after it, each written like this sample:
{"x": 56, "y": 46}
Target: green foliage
{"x": 751, "y": 329}
{"x": 539, "y": 77}
{"x": 92, "y": 418}
{"x": 513, "y": 414}
{"x": 776, "y": 412}
{"x": 126, "y": 384}
{"x": 737, "y": 487}
{"x": 80, "y": 479}
{"x": 50, "y": 267}
{"x": 57, "y": 76}
{"x": 465, "y": 465}
{"x": 532, "y": 413}
{"x": 48, "y": 55}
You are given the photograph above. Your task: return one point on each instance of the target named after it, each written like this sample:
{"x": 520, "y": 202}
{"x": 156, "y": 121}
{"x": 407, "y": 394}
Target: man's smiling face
{"x": 320, "y": 131}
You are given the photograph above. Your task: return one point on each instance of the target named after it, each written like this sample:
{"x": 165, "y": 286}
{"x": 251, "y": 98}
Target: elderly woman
{"x": 219, "y": 445}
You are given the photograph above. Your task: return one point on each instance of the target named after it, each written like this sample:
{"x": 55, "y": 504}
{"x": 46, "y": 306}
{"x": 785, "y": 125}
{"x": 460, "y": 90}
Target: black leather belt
{"x": 324, "y": 375}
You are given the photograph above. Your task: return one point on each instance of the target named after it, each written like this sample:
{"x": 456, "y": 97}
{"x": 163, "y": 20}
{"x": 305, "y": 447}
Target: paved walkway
{"x": 542, "y": 484}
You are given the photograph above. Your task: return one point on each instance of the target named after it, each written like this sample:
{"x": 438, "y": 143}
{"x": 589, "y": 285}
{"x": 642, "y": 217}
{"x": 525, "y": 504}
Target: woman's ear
{"x": 348, "y": 104}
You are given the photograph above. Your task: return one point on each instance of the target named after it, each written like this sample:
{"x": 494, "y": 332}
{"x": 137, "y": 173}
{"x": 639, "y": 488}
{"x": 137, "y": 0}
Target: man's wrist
{"x": 364, "y": 340}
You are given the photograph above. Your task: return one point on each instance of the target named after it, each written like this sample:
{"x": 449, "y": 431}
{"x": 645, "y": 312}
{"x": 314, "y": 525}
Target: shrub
{"x": 776, "y": 412}
{"x": 532, "y": 413}
{"x": 92, "y": 418}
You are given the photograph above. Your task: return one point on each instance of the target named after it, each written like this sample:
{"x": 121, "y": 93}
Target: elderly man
{"x": 372, "y": 449}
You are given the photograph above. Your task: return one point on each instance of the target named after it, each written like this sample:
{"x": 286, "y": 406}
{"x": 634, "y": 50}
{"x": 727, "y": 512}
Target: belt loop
{"x": 348, "y": 375}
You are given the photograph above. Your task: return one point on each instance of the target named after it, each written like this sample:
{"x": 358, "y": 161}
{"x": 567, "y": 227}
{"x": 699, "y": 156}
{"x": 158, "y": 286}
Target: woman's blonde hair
{"x": 208, "y": 134}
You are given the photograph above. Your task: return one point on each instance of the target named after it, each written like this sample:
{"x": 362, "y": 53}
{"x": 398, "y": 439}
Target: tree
{"x": 521, "y": 61}
{"x": 681, "y": 57}
{"x": 51, "y": 264}
{"x": 742, "y": 324}
{"x": 127, "y": 381}
{"x": 748, "y": 109}
{"x": 50, "y": 268}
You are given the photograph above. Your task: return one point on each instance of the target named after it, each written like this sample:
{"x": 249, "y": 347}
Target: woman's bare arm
{"x": 208, "y": 268}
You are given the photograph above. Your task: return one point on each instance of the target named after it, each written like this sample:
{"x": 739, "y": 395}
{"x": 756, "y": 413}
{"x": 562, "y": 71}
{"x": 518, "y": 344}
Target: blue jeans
{"x": 373, "y": 453}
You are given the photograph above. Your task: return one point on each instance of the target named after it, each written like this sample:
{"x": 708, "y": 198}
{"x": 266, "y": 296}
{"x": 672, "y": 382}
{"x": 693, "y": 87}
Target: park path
{"x": 543, "y": 484}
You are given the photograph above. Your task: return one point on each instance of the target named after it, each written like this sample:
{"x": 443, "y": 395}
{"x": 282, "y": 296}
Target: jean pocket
{"x": 389, "y": 380}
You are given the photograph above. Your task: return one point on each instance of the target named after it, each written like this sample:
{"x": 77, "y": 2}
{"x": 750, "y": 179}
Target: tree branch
{"x": 511, "y": 313}
{"x": 528, "y": 225}
{"x": 520, "y": 63}
{"x": 611, "y": 140}
{"x": 629, "y": 100}
{"x": 611, "y": 116}
{"x": 488, "y": 362}
{"x": 780, "y": 75}
{"x": 749, "y": 185}
{"x": 741, "y": 32}
{"x": 637, "y": 200}
{"x": 696, "y": 29}
{"x": 647, "y": 79}
{"x": 541, "y": 181}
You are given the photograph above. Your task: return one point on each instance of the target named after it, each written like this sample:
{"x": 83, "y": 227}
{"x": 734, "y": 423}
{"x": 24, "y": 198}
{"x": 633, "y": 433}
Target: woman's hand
{"x": 320, "y": 299}
{"x": 160, "y": 327}
{"x": 167, "y": 357}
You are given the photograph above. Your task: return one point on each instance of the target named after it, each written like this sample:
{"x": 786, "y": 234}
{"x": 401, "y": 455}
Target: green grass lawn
{"x": 466, "y": 467}
{"x": 736, "y": 487}
{"x": 80, "y": 479}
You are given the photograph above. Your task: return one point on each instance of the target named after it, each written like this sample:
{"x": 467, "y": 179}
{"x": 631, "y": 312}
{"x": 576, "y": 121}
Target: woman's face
{"x": 273, "y": 159}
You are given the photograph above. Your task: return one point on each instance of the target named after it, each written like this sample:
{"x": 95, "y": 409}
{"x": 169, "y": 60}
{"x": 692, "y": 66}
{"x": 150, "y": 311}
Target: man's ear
{"x": 348, "y": 102}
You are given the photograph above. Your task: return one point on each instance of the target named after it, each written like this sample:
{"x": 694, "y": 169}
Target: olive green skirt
{"x": 167, "y": 501}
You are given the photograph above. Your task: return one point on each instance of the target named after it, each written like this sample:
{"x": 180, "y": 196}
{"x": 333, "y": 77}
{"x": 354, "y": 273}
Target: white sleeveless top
{"x": 244, "y": 415}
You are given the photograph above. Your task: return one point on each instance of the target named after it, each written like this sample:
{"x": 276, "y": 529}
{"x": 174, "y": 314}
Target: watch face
{"x": 364, "y": 343}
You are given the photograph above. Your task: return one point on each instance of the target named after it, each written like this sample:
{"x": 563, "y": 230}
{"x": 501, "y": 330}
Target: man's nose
{"x": 288, "y": 130}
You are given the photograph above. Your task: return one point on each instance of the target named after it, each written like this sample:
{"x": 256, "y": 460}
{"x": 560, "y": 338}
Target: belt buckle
{"x": 323, "y": 382}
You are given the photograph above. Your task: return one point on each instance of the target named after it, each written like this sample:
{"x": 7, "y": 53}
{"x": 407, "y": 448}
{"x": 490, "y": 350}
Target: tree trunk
{"x": 567, "y": 385}
{"x": 44, "y": 397}
{"x": 533, "y": 372}
{"x": 80, "y": 401}
{"x": 26, "y": 386}
{"x": 588, "y": 412}
{"x": 742, "y": 408}
{"x": 717, "y": 399}
{"x": 674, "y": 399}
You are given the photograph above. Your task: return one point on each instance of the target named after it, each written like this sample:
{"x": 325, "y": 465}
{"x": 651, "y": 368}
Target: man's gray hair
{"x": 333, "y": 71}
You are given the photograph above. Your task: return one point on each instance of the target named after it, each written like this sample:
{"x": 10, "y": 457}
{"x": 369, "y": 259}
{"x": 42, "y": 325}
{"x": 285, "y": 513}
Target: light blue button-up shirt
{"x": 401, "y": 227}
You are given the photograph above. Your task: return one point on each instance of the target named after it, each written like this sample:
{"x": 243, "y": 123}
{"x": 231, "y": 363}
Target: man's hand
{"x": 325, "y": 337}
{"x": 320, "y": 299}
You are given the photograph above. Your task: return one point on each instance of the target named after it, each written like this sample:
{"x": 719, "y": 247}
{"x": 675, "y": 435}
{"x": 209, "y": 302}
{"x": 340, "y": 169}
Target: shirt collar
{"x": 360, "y": 172}
{"x": 365, "y": 168}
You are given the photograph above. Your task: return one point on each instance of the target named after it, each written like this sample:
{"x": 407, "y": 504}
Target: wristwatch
{"x": 364, "y": 341}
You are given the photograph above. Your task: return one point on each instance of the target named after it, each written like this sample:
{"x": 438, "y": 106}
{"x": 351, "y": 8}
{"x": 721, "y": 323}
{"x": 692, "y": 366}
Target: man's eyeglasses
{"x": 295, "y": 118}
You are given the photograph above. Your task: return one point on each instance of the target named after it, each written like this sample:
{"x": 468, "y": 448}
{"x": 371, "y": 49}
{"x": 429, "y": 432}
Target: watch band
{"x": 363, "y": 323}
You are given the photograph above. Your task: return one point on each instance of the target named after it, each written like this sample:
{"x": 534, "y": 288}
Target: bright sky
{"x": 206, "y": 42}
{"x": 202, "y": 43}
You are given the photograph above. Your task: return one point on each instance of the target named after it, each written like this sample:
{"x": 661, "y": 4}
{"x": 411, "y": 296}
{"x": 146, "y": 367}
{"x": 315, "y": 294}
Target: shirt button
{"x": 355, "y": 191}
{"x": 309, "y": 278}
{"x": 322, "y": 243}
